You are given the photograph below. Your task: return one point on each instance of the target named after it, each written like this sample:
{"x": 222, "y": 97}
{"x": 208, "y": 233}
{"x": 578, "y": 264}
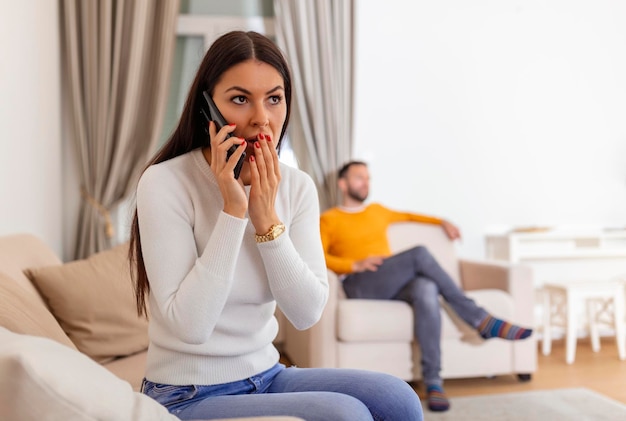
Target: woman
{"x": 215, "y": 254}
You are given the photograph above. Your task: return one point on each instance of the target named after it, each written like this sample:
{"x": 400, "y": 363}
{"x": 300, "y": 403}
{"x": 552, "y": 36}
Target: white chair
{"x": 378, "y": 334}
{"x": 563, "y": 303}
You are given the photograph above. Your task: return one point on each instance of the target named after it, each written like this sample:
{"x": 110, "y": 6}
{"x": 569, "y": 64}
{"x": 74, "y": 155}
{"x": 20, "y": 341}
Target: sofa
{"x": 378, "y": 334}
{"x": 71, "y": 344}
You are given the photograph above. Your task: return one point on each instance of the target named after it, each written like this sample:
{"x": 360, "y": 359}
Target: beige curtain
{"x": 117, "y": 60}
{"x": 317, "y": 37}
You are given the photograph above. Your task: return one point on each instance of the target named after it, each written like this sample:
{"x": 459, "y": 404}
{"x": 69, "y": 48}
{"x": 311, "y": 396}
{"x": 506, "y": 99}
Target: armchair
{"x": 378, "y": 334}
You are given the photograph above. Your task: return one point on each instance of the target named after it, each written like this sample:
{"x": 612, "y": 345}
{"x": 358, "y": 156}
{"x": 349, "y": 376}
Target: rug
{"x": 578, "y": 404}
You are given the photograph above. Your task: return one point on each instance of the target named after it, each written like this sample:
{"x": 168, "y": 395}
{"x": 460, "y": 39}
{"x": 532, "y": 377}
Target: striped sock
{"x": 436, "y": 398}
{"x": 491, "y": 327}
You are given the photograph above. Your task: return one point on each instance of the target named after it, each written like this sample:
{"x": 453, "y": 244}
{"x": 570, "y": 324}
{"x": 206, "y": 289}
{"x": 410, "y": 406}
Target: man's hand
{"x": 451, "y": 230}
{"x": 369, "y": 263}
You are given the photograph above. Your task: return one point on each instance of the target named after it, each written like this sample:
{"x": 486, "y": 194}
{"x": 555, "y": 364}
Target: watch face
{"x": 275, "y": 231}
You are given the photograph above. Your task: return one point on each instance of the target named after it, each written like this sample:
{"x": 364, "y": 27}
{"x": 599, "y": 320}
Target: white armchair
{"x": 378, "y": 334}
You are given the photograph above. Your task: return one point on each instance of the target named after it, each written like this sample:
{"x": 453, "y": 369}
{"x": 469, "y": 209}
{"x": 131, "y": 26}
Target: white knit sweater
{"x": 213, "y": 289}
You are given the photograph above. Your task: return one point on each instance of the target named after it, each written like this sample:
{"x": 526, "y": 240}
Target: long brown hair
{"x": 230, "y": 49}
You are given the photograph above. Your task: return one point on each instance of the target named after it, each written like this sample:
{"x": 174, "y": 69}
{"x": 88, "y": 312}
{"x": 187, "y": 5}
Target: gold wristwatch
{"x": 275, "y": 231}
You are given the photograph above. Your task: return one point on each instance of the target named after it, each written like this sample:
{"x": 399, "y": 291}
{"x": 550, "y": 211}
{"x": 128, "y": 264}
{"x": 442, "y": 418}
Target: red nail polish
{"x": 268, "y": 138}
{"x": 251, "y": 158}
{"x": 257, "y": 145}
{"x": 261, "y": 136}
{"x": 232, "y": 124}
{"x": 243, "y": 142}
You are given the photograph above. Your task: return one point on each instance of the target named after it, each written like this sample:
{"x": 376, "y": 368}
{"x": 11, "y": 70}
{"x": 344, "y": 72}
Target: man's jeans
{"x": 415, "y": 276}
{"x": 314, "y": 394}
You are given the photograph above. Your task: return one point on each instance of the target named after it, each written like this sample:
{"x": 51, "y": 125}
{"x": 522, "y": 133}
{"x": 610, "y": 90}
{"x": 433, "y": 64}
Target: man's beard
{"x": 354, "y": 195}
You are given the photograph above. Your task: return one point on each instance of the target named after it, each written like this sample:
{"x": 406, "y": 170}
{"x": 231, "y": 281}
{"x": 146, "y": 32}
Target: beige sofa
{"x": 378, "y": 335}
{"x": 61, "y": 325}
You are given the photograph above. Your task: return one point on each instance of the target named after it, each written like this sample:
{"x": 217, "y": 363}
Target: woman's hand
{"x": 264, "y": 179}
{"x": 233, "y": 193}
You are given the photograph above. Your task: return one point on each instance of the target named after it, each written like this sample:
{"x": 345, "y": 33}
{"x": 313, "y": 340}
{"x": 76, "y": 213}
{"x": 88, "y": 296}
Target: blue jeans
{"x": 314, "y": 394}
{"x": 416, "y": 277}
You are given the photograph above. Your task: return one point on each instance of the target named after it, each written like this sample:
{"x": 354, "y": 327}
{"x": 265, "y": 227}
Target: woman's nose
{"x": 260, "y": 116}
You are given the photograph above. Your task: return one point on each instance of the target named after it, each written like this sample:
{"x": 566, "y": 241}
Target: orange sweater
{"x": 351, "y": 236}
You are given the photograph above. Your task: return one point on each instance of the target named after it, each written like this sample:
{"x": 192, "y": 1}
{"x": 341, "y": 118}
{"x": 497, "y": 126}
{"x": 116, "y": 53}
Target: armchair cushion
{"x": 374, "y": 321}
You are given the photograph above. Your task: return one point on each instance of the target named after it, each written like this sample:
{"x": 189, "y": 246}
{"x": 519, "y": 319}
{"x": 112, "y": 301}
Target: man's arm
{"x": 451, "y": 230}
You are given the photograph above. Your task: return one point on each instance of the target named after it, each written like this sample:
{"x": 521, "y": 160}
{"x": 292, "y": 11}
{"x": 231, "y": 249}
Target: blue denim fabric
{"x": 314, "y": 394}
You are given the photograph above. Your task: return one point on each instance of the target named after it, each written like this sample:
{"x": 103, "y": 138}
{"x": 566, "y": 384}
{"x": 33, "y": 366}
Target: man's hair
{"x": 344, "y": 170}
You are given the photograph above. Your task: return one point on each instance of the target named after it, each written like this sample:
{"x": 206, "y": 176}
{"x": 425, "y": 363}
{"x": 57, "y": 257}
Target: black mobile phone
{"x": 210, "y": 112}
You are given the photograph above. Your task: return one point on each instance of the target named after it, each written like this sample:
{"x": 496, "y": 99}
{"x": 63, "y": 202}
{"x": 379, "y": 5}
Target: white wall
{"x": 30, "y": 140}
{"x": 495, "y": 113}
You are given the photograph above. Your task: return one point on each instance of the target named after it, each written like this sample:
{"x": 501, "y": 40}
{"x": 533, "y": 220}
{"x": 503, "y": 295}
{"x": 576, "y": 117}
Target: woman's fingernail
{"x": 232, "y": 124}
{"x": 261, "y": 136}
{"x": 251, "y": 158}
{"x": 257, "y": 145}
{"x": 243, "y": 141}
{"x": 268, "y": 138}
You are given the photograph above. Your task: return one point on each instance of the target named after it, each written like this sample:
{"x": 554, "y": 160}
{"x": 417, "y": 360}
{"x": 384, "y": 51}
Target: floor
{"x": 602, "y": 372}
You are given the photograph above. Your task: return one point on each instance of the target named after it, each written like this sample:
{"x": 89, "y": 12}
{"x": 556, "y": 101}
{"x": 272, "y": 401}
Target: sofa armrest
{"x": 515, "y": 279}
{"x": 316, "y": 346}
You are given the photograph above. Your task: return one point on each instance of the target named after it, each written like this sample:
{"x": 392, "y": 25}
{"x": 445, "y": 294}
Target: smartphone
{"x": 210, "y": 112}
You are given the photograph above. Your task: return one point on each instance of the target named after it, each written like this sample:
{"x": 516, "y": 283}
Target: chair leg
{"x": 570, "y": 335}
{"x": 592, "y": 316}
{"x": 620, "y": 328}
{"x": 546, "y": 341}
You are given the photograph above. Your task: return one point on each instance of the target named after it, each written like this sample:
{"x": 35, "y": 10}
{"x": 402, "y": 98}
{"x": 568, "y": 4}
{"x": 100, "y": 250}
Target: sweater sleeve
{"x": 294, "y": 262}
{"x": 190, "y": 290}
{"x": 395, "y": 216}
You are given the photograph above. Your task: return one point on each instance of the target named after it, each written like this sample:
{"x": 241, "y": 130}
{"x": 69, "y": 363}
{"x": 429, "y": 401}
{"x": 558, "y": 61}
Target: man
{"x": 354, "y": 236}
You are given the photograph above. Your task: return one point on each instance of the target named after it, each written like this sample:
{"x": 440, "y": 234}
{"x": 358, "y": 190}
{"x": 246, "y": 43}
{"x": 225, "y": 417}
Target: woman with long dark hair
{"x": 214, "y": 254}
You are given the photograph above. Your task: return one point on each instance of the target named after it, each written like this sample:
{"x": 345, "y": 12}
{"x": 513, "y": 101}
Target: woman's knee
{"x": 334, "y": 406}
{"x": 397, "y": 400}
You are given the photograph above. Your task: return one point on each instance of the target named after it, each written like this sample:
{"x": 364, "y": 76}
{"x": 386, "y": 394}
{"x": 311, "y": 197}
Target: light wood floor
{"x": 602, "y": 372}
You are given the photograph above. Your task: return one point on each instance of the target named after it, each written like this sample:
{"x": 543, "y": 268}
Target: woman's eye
{"x": 239, "y": 99}
{"x": 276, "y": 99}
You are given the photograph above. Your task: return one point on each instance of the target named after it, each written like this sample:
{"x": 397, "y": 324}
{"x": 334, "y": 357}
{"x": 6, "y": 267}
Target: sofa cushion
{"x": 43, "y": 380}
{"x": 361, "y": 320}
{"x": 22, "y": 311}
{"x": 94, "y": 302}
